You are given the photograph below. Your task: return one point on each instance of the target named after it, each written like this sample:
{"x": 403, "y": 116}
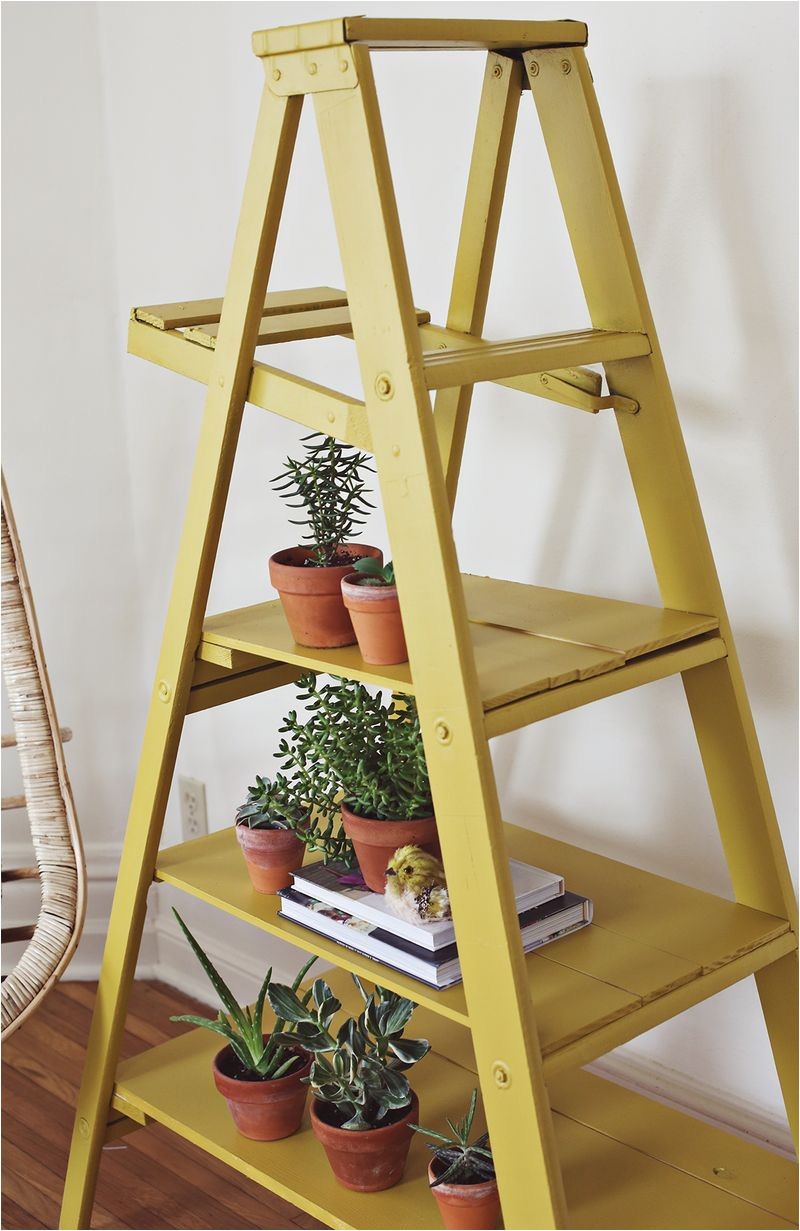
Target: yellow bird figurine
{"x": 415, "y": 886}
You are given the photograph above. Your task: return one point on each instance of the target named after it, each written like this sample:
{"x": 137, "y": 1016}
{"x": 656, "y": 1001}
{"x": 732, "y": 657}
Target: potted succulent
{"x": 261, "y": 1076}
{"x": 363, "y": 1104}
{"x": 328, "y": 486}
{"x": 265, "y": 827}
{"x": 461, "y": 1175}
{"x": 354, "y": 749}
{"x": 370, "y": 595}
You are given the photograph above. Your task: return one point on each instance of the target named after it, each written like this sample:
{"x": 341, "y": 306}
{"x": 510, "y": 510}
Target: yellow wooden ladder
{"x": 486, "y": 657}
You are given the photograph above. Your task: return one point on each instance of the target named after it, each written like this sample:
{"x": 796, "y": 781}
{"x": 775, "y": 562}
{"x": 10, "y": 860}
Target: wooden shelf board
{"x": 527, "y": 639}
{"x": 656, "y": 946}
{"x": 665, "y": 1179}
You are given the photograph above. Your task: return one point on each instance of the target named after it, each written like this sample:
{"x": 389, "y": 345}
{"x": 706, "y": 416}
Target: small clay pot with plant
{"x": 262, "y": 1077}
{"x": 353, "y": 750}
{"x": 370, "y": 595}
{"x": 363, "y": 1105}
{"x": 265, "y": 828}
{"x": 328, "y": 488}
{"x": 461, "y": 1175}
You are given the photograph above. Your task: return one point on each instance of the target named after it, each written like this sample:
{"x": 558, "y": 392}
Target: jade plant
{"x": 373, "y": 573}
{"x": 328, "y": 486}
{"x": 351, "y": 745}
{"x": 264, "y": 1060}
{"x": 457, "y": 1159}
{"x": 360, "y": 1069}
{"x": 271, "y": 804}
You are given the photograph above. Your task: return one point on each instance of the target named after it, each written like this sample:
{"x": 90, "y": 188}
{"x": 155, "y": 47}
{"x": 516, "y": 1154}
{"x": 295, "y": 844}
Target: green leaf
{"x": 218, "y": 983}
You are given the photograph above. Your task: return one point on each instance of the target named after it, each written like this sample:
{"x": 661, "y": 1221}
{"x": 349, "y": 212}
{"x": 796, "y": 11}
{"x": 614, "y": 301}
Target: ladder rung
{"x": 209, "y": 311}
{"x": 496, "y": 360}
{"x": 293, "y": 326}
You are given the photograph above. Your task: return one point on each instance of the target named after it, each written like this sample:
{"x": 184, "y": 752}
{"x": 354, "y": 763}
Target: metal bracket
{"x": 559, "y": 391}
{"x": 311, "y": 72}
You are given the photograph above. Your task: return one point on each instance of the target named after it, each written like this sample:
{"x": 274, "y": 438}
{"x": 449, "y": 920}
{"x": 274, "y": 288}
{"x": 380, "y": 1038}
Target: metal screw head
{"x": 384, "y": 387}
{"x": 566, "y": 67}
{"x": 312, "y": 68}
{"x": 164, "y": 691}
{"x": 343, "y": 66}
{"x": 497, "y": 71}
{"x": 276, "y": 74}
{"x": 83, "y": 1127}
{"x": 501, "y": 1074}
{"x": 395, "y": 450}
{"x": 545, "y": 380}
{"x": 442, "y": 731}
{"x": 533, "y": 68}
{"x": 331, "y": 417}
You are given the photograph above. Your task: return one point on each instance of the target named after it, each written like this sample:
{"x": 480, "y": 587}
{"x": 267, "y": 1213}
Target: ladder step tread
{"x": 321, "y": 322}
{"x": 411, "y": 32}
{"x": 521, "y": 356}
{"x": 209, "y": 311}
{"x": 528, "y": 639}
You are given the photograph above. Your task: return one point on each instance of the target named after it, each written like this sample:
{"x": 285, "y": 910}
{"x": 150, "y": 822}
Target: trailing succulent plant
{"x": 328, "y": 485}
{"x": 373, "y": 573}
{"x": 352, "y": 745}
{"x": 271, "y": 804}
{"x": 360, "y": 1070}
{"x": 242, "y": 1026}
{"x": 460, "y": 1161}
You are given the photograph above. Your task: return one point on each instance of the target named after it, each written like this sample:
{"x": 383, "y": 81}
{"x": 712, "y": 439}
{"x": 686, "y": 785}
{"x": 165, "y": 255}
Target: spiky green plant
{"x": 460, "y": 1161}
{"x": 373, "y": 573}
{"x": 271, "y": 804}
{"x": 242, "y": 1027}
{"x": 327, "y": 484}
{"x": 360, "y": 1070}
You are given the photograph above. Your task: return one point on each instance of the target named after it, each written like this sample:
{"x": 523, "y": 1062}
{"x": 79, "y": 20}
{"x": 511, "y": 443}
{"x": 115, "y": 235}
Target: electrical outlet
{"x": 194, "y": 817}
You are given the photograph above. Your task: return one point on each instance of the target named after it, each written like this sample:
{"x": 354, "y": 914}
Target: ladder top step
{"x": 411, "y": 33}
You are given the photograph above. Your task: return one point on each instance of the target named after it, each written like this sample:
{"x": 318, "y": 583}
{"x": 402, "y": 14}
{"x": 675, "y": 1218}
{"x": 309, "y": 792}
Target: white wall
{"x": 127, "y": 130}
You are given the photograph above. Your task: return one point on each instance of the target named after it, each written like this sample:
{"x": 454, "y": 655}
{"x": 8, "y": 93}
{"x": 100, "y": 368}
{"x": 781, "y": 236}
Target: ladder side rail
{"x": 477, "y": 242}
{"x": 233, "y": 358}
{"x": 418, "y": 517}
{"x": 655, "y": 451}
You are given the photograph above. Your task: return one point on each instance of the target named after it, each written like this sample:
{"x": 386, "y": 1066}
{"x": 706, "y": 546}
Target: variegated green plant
{"x": 360, "y": 1070}
{"x": 242, "y": 1026}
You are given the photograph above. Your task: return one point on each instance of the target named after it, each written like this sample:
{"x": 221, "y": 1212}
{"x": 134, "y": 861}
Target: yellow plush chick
{"x": 415, "y": 886}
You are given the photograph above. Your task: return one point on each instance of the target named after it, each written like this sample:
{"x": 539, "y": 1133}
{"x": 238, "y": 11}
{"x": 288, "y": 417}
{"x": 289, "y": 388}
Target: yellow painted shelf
{"x": 528, "y": 640}
{"x": 664, "y": 1179}
{"x": 656, "y": 946}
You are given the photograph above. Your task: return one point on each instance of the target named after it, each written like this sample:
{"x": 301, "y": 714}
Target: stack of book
{"x": 335, "y": 903}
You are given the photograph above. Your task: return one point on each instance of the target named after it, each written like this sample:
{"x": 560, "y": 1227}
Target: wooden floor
{"x": 150, "y": 1179}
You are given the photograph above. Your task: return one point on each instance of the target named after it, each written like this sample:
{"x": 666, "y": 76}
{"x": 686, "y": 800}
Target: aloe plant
{"x": 460, "y": 1161}
{"x": 242, "y": 1026}
{"x": 270, "y": 804}
{"x": 359, "y": 1070}
{"x": 373, "y": 573}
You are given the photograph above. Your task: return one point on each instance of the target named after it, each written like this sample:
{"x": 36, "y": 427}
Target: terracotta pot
{"x": 262, "y": 1110}
{"x": 375, "y": 612}
{"x": 376, "y": 841}
{"x": 312, "y": 597}
{"x": 467, "y": 1207}
{"x": 368, "y": 1160}
{"x": 271, "y": 856}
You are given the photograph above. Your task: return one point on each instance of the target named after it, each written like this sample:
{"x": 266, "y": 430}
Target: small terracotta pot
{"x": 368, "y": 1160}
{"x": 375, "y": 612}
{"x": 262, "y": 1110}
{"x": 271, "y": 856}
{"x": 312, "y": 597}
{"x": 467, "y": 1207}
{"x": 376, "y": 841}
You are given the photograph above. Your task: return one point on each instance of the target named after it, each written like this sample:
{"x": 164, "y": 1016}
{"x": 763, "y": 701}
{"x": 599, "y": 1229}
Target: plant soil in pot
{"x": 376, "y": 841}
{"x": 262, "y": 1110}
{"x": 368, "y": 1160}
{"x": 467, "y": 1207}
{"x": 311, "y": 594}
{"x": 375, "y": 611}
{"x": 271, "y": 856}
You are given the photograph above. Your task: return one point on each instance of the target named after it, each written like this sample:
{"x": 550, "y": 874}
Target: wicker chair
{"x": 60, "y": 869}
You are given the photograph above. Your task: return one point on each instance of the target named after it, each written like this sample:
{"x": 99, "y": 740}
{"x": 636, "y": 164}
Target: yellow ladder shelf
{"x": 485, "y": 657}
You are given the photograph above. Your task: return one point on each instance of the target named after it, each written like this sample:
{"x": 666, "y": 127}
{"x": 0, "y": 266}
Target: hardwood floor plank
{"x": 149, "y": 1179}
